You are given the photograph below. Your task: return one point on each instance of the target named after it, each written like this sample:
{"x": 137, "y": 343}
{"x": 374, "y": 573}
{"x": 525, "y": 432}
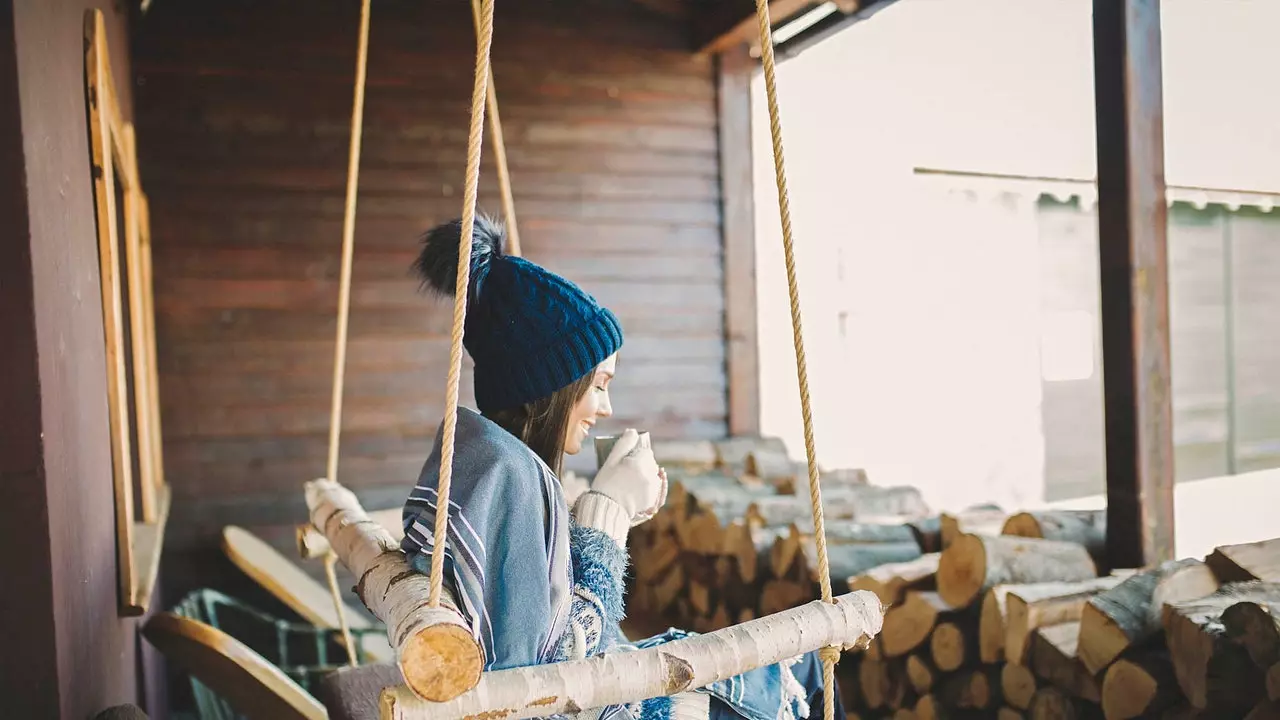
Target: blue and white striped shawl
{"x": 507, "y": 557}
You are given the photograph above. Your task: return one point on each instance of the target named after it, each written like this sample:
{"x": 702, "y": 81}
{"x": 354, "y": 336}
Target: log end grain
{"x": 1018, "y": 684}
{"x": 948, "y": 645}
{"x": 1131, "y": 690}
{"x": 962, "y": 571}
{"x": 441, "y": 662}
{"x": 1101, "y": 639}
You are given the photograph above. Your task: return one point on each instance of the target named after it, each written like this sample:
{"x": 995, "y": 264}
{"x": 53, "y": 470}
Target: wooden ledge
{"x": 147, "y": 546}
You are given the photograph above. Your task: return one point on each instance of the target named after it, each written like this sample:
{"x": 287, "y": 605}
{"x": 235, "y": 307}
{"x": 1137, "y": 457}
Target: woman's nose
{"x": 606, "y": 407}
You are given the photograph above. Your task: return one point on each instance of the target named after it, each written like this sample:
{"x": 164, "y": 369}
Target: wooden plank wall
{"x": 243, "y": 112}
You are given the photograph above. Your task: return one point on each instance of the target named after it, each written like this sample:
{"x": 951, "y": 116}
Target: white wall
{"x": 937, "y": 381}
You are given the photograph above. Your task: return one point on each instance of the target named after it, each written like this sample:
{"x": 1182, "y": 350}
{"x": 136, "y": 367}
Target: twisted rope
{"x": 344, "y": 299}
{"x": 484, "y": 42}
{"x": 330, "y": 565}
{"x": 829, "y": 655}
{"x": 500, "y": 155}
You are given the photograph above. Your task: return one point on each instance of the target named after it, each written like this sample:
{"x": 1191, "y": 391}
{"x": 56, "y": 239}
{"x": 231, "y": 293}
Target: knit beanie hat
{"x": 529, "y": 331}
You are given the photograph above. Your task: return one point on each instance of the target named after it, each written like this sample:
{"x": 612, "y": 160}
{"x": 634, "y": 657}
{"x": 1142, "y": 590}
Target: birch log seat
{"x": 438, "y": 658}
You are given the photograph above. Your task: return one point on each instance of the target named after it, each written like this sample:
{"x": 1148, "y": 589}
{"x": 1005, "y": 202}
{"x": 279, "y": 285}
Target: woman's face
{"x": 591, "y": 407}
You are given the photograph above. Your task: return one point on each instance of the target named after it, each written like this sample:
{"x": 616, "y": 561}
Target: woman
{"x": 536, "y": 581}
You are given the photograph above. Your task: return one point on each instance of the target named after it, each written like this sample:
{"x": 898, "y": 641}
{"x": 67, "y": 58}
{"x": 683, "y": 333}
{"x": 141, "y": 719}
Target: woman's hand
{"x": 630, "y": 476}
{"x": 647, "y": 514}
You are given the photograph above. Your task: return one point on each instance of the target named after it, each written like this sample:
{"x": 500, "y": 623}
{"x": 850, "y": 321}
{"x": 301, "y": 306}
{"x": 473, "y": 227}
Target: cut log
{"x": 846, "y": 561}
{"x": 691, "y": 494}
{"x": 1031, "y": 606}
{"x": 779, "y": 595}
{"x": 1250, "y": 561}
{"x": 857, "y": 501}
{"x": 731, "y": 453}
{"x": 874, "y": 651}
{"x": 685, "y": 455}
{"x": 974, "y": 563}
{"x": 920, "y": 672}
{"x": 890, "y": 581}
{"x": 751, "y": 548}
{"x": 976, "y": 520}
{"x": 928, "y": 533}
{"x": 1264, "y": 710}
{"x": 907, "y": 626}
{"x": 699, "y": 598}
{"x": 927, "y": 708}
{"x": 954, "y": 645}
{"x": 668, "y": 588}
{"x": 1053, "y": 659}
{"x": 720, "y": 618}
{"x": 1083, "y": 527}
{"x": 1018, "y": 684}
{"x": 782, "y": 556}
{"x": 852, "y": 532}
{"x": 775, "y": 466}
{"x": 874, "y": 683}
{"x": 992, "y": 622}
{"x": 1052, "y": 704}
{"x": 1212, "y": 671}
{"x": 1129, "y": 613}
{"x": 313, "y": 544}
{"x": 1184, "y": 711}
{"x": 618, "y": 678}
{"x": 1255, "y": 627}
{"x": 782, "y": 510}
{"x": 1140, "y": 687}
{"x": 969, "y": 690}
{"x": 658, "y": 557}
{"x": 435, "y": 650}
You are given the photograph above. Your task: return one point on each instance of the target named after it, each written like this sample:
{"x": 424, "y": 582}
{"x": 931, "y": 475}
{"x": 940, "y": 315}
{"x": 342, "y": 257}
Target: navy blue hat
{"x": 529, "y": 331}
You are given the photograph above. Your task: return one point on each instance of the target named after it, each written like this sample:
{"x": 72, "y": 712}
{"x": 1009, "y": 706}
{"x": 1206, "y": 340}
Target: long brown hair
{"x": 544, "y": 423}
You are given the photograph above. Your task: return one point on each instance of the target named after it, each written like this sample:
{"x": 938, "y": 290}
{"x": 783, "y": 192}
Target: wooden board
{"x": 302, "y": 593}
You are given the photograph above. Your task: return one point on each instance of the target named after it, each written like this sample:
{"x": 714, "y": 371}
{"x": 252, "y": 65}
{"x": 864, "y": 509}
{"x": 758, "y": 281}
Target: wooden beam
{"x": 1134, "y": 278}
{"x": 735, "y": 68}
{"x": 722, "y": 26}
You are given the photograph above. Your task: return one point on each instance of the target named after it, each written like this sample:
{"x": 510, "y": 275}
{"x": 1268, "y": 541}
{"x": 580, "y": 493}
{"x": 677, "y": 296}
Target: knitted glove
{"x": 628, "y": 489}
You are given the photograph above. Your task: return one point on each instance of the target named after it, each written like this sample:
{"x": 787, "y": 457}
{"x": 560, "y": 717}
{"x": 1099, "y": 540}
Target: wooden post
{"x": 735, "y": 70}
{"x": 1134, "y": 278}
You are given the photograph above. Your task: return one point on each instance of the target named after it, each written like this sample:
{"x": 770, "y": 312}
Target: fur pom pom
{"x": 437, "y": 264}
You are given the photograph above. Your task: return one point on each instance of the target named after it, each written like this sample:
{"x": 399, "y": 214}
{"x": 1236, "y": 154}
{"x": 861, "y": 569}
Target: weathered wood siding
{"x": 243, "y": 116}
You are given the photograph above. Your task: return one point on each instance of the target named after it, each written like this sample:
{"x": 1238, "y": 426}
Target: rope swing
{"x": 437, "y": 655}
{"x": 344, "y": 303}
{"x": 830, "y": 655}
{"x": 484, "y": 42}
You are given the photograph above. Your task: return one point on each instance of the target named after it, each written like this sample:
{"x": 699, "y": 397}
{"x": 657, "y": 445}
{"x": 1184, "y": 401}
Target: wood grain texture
{"x": 243, "y": 126}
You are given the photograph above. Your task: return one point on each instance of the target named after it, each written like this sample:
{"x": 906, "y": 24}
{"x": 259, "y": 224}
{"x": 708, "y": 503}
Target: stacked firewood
{"x": 990, "y": 615}
{"x": 735, "y": 538}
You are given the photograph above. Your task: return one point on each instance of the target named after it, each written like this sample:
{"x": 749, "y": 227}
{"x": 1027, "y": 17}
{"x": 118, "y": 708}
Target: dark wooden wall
{"x": 69, "y": 653}
{"x": 243, "y": 115}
